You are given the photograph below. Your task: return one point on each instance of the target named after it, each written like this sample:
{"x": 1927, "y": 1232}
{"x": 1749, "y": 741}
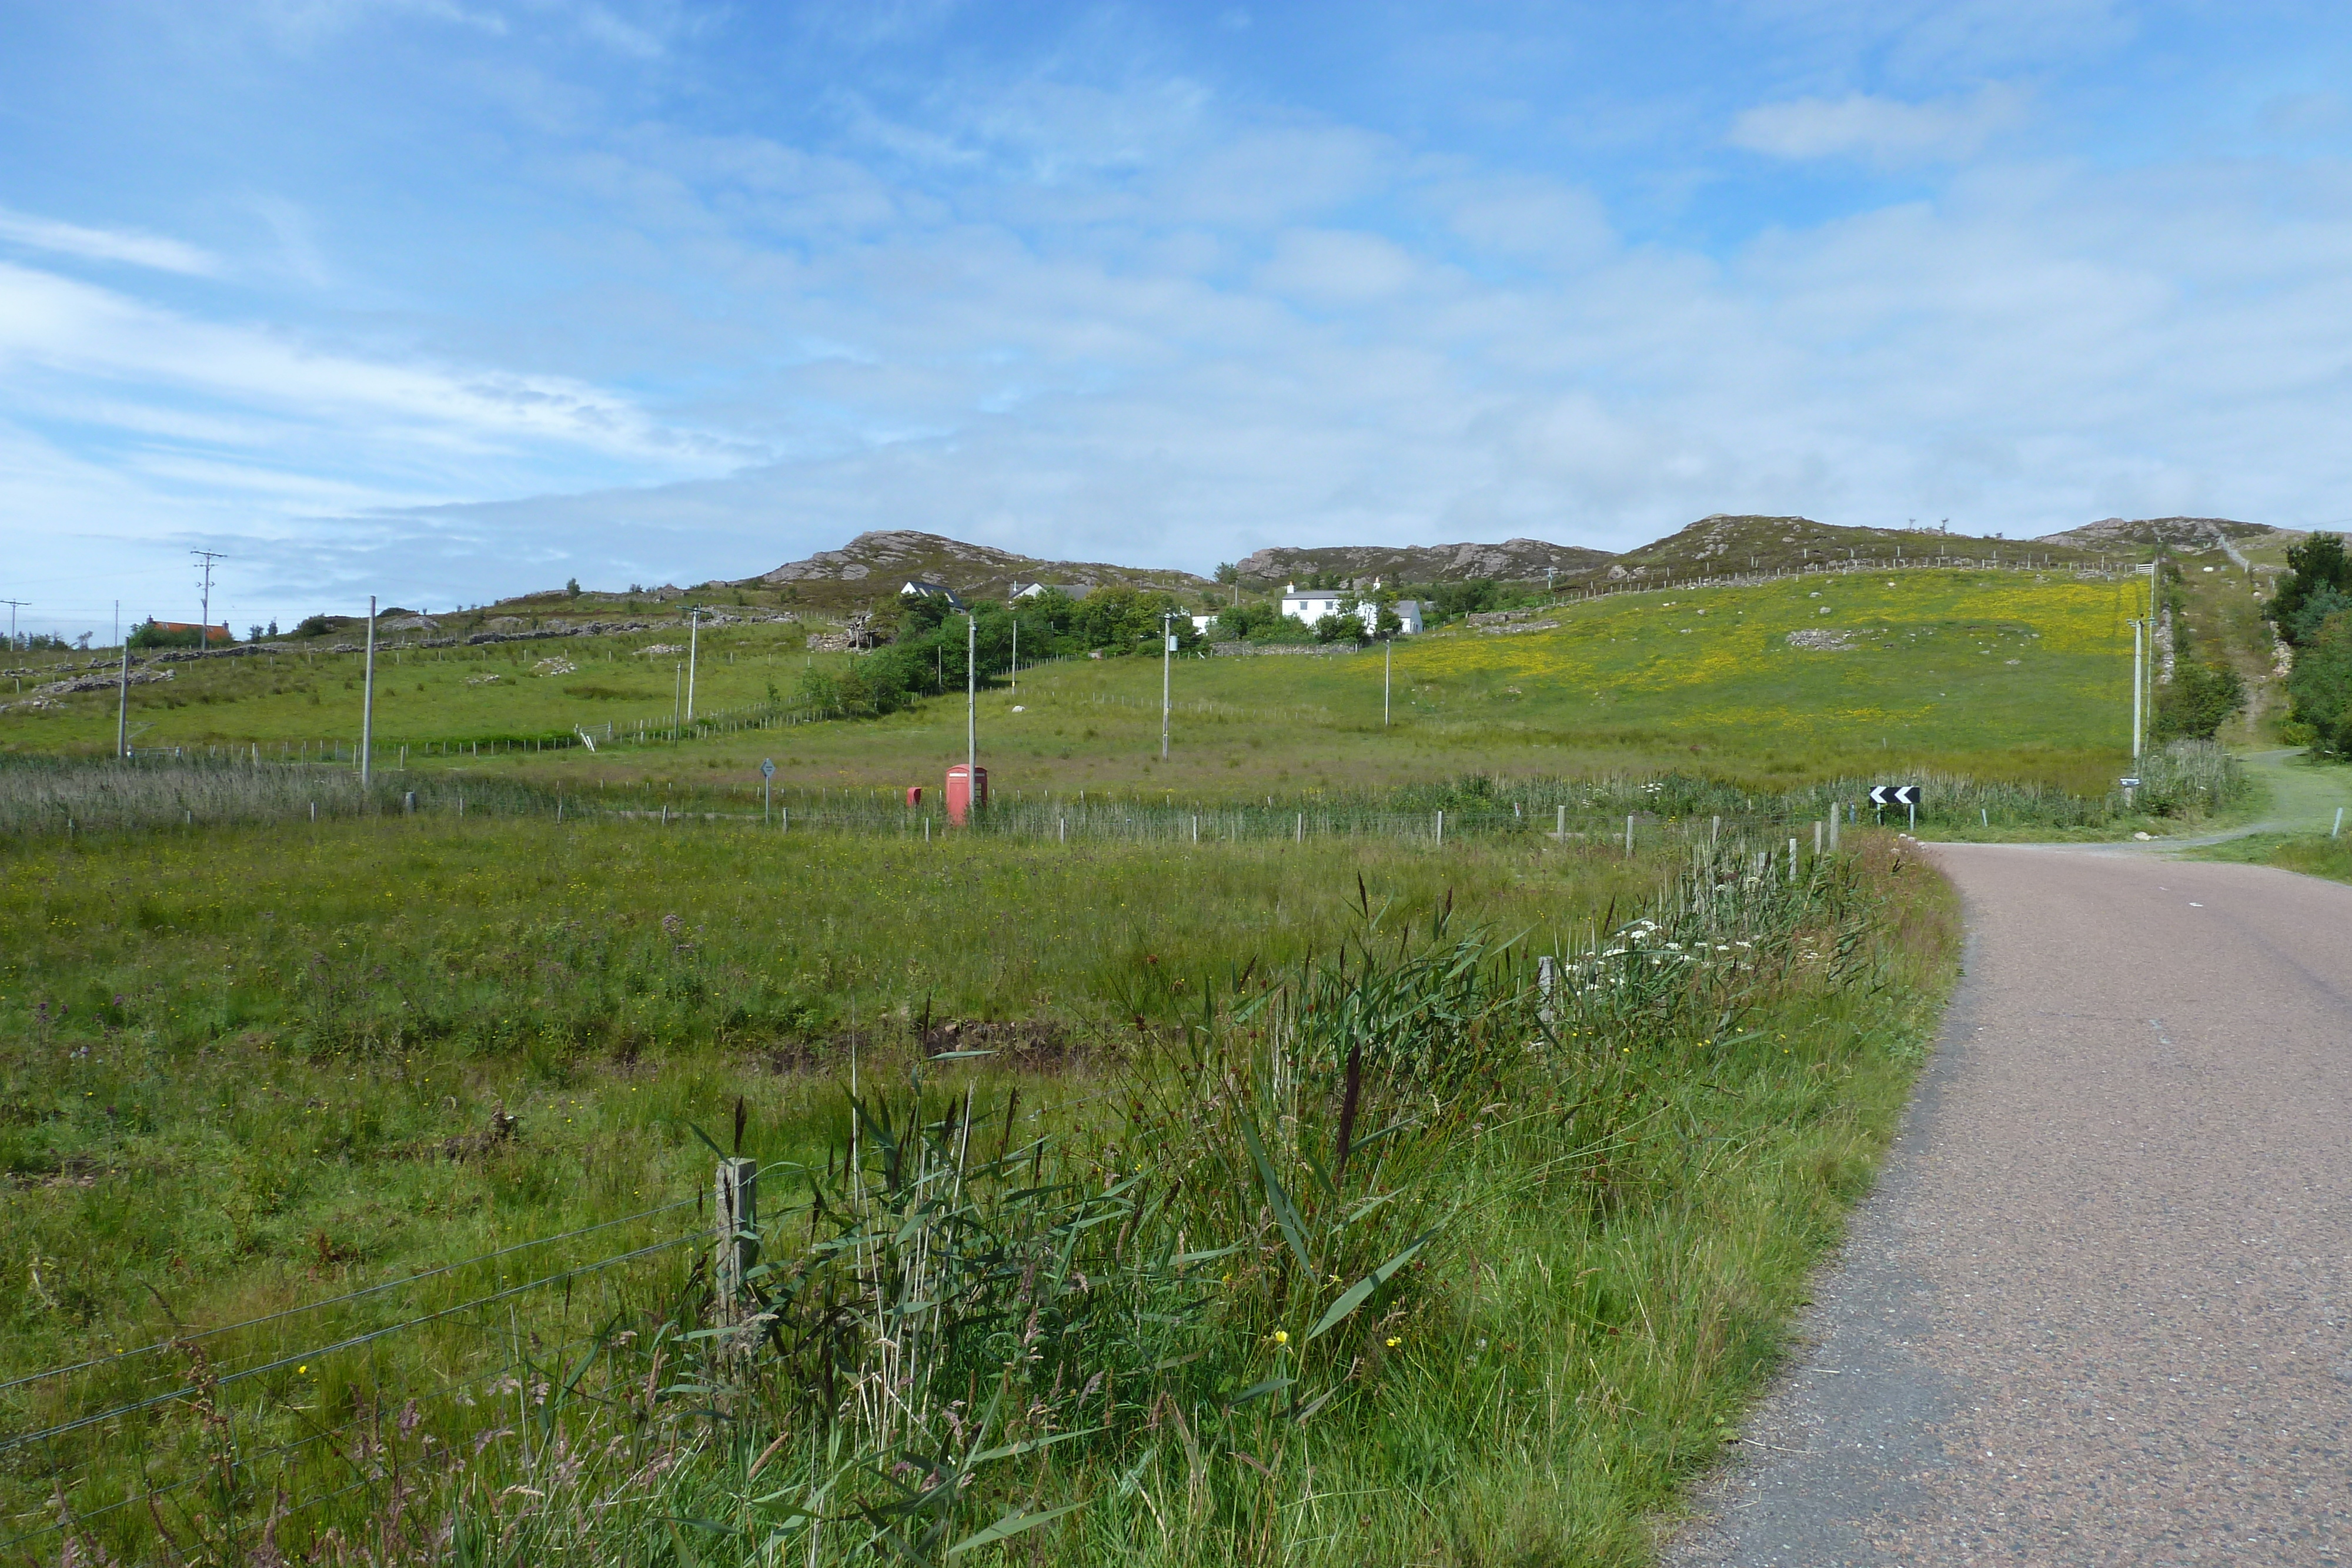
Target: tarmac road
{"x": 2100, "y": 1309}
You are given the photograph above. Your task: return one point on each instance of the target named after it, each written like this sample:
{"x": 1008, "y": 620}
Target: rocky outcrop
{"x": 1513, "y": 560}
{"x": 874, "y": 564}
{"x": 2185, "y": 534}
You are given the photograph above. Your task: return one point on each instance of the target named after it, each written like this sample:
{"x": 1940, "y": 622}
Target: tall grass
{"x": 61, "y": 795}
{"x": 1401, "y": 1253}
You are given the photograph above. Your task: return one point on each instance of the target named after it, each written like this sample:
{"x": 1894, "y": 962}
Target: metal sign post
{"x": 1885, "y": 795}
{"x": 767, "y": 784}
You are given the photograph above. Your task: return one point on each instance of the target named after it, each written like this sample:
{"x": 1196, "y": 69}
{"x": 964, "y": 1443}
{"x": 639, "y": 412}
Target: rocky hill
{"x": 1726, "y": 544}
{"x": 2194, "y": 535}
{"x": 1513, "y": 560}
{"x": 874, "y": 564}
{"x": 868, "y": 569}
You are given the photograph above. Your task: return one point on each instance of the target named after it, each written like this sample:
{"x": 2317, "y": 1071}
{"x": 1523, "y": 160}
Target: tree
{"x": 2318, "y": 563}
{"x": 572, "y": 586}
{"x": 1465, "y": 598}
{"x": 921, "y": 614}
{"x": 273, "y": 627}
{"x": 2321, "y": 685}
{"x": 149, "y": 634}
{"x": 253, "y": 632}
{"x": 1341, "y": 629}
{"x": 2199, "y": 701}
{"x": 2324, "y": 601}
{"x": 1228, "y": 573}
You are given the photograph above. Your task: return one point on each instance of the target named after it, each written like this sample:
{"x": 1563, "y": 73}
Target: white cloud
{"x": 65, "y": 326}
{"x": 1329, "y": 266}
{"x": 1880, "y": 131}
{"x": 106, "y": 244}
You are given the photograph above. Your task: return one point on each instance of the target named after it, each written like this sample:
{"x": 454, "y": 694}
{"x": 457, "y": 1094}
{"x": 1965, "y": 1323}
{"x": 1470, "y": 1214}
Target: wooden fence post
{"x": 735, "y": 1224}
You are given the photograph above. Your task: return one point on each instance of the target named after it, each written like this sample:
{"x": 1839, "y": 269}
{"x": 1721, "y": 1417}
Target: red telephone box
{"x": 914, "y": 796}
{"x": 967, "y": 790}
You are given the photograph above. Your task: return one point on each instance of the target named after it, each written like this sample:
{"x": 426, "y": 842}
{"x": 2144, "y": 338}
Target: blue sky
{"x": 446, "y": 300}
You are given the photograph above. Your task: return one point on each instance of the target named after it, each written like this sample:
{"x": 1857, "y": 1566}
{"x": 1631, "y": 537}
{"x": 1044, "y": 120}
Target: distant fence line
{"x": 49, "y": 796}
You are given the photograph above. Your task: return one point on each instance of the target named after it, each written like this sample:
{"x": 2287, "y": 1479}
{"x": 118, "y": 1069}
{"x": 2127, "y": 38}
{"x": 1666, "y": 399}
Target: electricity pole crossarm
{"x": 205, "y": 621}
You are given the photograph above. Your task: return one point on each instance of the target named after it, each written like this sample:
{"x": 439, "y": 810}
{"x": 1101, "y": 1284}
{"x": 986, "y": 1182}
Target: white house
{"x": 917, "y": 588}
{"x": 1032, "y": 590}
{"x": 1311, "y": 604}
{"x": 1200, "y": 624}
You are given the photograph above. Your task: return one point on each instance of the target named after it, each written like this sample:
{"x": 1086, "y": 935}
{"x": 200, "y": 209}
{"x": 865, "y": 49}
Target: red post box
{"x": 967, "y": 791}
{"x": 914, "y": 796}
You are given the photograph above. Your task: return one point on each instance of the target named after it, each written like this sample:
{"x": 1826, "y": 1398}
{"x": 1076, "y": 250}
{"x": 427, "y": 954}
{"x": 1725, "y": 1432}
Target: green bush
{"x": 2321, "y": 685}
{"x": 1341, "y": 629}
{"x": 2316, "y": 568}
{"x": 2200, "y": 699}
{"x": 149, "y": 634}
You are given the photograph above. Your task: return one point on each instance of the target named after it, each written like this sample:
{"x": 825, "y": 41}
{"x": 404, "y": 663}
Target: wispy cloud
{"x": 1883, "y": 132}
{"x": 125, "y": 246}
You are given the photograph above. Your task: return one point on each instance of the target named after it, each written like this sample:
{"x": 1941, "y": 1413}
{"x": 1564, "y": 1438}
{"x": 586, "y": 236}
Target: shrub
{"x": 2316, "y": 566}
{"x": 148, "y": 634}
{"x": 2200, "y": 699}
{"x": 2321, "y": 685}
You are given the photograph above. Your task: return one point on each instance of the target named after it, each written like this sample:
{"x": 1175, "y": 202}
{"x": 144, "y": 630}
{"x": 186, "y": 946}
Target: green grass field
{"x": 2005, "y": 673}
{"x": 251, "y": 1061}
{"x": 252, "y": 1069}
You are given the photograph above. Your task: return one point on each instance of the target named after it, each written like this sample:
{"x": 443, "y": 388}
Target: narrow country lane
{"x": 2100, "y": 1309}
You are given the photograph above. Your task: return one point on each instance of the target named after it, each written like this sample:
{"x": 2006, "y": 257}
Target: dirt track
{"x": 2100, "y": 1309}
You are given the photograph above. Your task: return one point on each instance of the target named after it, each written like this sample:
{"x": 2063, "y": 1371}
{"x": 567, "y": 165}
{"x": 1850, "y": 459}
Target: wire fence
{"x": 280, "y": 1415}
{"x": 52, "y": 796}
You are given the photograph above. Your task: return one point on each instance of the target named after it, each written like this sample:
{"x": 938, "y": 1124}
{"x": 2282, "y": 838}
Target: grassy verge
{"x": 2313, "y": 855}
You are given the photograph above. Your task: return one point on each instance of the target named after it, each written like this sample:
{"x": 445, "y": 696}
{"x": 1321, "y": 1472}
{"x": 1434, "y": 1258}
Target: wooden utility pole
{"x": 204, "y": 625}
{"x": 367, "y": 700}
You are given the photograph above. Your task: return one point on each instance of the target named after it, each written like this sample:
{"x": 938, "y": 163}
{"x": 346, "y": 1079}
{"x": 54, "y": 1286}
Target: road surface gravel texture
{"x": 2099, "y": 1310}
